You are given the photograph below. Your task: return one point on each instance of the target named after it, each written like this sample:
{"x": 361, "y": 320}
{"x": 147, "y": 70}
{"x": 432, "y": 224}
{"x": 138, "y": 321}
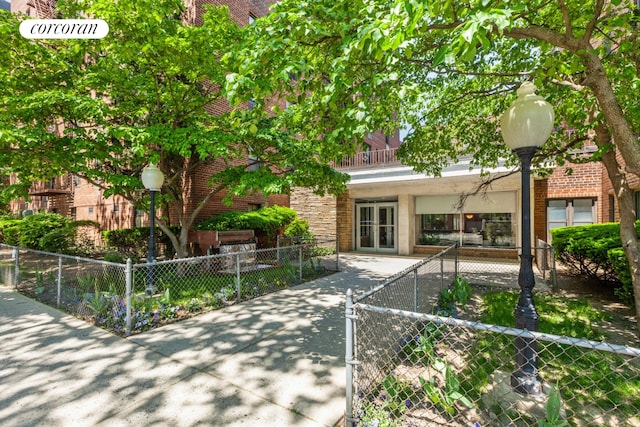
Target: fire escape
{"x": 45, "y": 9}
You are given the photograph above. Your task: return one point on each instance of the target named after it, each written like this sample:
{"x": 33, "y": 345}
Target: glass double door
{"x": 376, "y": 227}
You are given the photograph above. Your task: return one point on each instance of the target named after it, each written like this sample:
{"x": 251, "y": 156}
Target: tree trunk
{"x": 626, "y": 207}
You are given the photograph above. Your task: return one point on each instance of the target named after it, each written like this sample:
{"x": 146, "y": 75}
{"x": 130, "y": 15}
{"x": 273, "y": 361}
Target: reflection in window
{"x": 469, "y": 228}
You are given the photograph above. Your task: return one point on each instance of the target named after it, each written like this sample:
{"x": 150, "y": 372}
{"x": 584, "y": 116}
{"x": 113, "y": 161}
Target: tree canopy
{"x": 447, "y": 70}
{"x": 103, "y": 109}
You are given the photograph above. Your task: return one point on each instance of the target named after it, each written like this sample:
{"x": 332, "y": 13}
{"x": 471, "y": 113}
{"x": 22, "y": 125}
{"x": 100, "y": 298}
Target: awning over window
{"x": 492, "y": 202}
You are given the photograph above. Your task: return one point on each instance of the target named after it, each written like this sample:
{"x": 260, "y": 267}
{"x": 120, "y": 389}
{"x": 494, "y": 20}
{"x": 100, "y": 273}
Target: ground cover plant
{"x": 443, "y": 374}
{"x": 96, "y": 292}
{"x": 591, "y": 383}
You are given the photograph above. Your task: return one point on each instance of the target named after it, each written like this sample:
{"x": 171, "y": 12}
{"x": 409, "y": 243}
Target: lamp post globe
{"x": 526, "y": 125}
{"x": 152, "y": 179}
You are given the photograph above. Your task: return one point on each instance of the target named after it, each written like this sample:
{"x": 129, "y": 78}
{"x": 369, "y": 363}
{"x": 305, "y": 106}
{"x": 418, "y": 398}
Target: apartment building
{"x": 73, "y": 196}
{"x": 388, "y": 208}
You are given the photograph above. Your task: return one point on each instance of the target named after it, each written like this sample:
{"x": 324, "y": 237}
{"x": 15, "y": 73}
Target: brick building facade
{"x": 72, "y": 196}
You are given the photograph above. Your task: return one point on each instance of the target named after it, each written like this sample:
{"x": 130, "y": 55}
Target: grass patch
{"x": 593, "y": 384}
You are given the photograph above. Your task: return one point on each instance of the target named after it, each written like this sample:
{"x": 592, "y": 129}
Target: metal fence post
{"x": 554, "y": 278}
{"x": 456, "y": 261}
{"x": 128, "y": 273}
{"x": 238, "y": 289}
{"x": 349, "y": 358}
{"x": 337, "y": 253}
{"x": 415, "y": 290}
{"x": 16, "y": 270}
{"x": 300, "y": 262}
{"x": 59, "y": 280}
{"x": 442, "y": 271}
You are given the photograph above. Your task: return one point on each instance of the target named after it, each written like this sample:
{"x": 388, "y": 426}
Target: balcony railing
{"x": 370, "y": 158}
{"x": 59, "y": 185}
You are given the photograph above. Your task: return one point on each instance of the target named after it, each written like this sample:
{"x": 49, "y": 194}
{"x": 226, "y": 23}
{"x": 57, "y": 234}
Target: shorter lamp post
{"x": 152, "y": 179}
{"x": 526, "y": 125}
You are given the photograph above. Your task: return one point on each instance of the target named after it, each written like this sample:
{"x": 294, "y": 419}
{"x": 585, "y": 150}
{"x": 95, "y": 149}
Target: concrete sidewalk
{"x": 274, "y": 361}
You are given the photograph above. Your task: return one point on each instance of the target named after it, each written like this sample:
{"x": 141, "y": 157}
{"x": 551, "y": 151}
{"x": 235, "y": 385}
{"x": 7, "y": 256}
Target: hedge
{"x": 43, "y": 231}
{"x": 595, "y": 252}
{"x": 271, "y": 220}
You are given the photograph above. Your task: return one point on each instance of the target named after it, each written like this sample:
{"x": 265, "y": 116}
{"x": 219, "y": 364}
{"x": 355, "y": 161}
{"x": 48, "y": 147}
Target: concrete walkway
{"x": 274, "y": 361}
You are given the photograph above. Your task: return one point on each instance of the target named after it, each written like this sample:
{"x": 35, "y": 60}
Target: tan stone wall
{"x": 345, "y": 214}
{"x": 319, "y": 211}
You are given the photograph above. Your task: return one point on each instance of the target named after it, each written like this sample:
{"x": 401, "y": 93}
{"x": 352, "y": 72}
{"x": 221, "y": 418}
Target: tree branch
{"x": 588, "y": 34}
{"x": 568, "y": 29}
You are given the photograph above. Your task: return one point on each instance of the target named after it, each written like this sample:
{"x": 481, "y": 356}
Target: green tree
{"x": 103, "y": 109}
{"x": 447, "y": 70}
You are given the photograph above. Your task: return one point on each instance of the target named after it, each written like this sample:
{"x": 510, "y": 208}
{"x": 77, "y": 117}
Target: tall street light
{"x": 526, "y": 125}
{"x": 152, "y": 179}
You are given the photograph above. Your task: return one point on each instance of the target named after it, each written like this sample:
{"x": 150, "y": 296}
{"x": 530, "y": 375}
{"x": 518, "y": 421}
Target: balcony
{"x": 367, "y": 159}
{"x": 50, "y": 188}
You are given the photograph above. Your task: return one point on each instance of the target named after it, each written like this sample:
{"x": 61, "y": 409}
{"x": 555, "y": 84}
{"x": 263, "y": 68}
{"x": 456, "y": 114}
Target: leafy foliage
{"x": 133, "y": 242}
{"x": 298, "y": 228}
{"x": 595, "y": 252}
{"x": 43, "y": 231}
{"x": 270, "y": 220}
{"x": 446, "y": 71}
{"x": 102, "y": 109}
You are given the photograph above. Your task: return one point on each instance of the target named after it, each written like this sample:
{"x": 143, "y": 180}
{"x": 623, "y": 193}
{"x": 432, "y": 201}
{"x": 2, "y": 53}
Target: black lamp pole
{"x": 152, "y": 245}
{"x": 525, "y": 378}
{"x": 152, "y": 179}
{"x": 525, "y": 127}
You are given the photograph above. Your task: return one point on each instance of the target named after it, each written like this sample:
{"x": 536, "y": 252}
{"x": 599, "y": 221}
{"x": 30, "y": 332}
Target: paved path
{"x": 274, "y": 361}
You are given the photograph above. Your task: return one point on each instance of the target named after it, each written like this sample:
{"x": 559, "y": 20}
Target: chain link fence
{"x": 127, "y": 298}
{"x": 408, "y": 367}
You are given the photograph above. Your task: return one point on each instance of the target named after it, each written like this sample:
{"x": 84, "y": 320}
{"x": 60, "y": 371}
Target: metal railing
{"x": 406, "y": 366}
{"x": 131, "y": 298}
{"x": 370, "y": 159}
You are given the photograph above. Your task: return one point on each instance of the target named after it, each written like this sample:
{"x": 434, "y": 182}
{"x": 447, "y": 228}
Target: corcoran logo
{"x": 64, "y": 28}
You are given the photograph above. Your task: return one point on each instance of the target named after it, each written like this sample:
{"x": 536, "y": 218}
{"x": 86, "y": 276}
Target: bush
{"x": 595, "y": 252}
{"x": 134, "y": 242}
{"x": 34, "y": 227}
{"x": 43, "y": 231}
{"x": 270, "y": 221}
{"x": 299, "y": 228}
{"x": 10, "y": 232}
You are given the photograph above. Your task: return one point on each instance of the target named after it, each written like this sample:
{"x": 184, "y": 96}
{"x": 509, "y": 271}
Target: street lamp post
{"x": 526, "y": 125}
{"x": 152, "y": 179}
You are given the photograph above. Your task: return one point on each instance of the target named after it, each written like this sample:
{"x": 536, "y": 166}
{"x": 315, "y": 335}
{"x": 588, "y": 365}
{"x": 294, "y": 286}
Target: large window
{"x": 469, "y": 228}
{"x": 482, "y": 220}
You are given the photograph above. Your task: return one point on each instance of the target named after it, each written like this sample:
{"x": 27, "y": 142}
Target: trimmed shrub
{"x": 595, "y": 252}
{"x": 44, "y": 231}
{"x": 267, "y": 222}
{"x": 583, "y": 249}
{"x": 10, "y": 231}
{"x": 34, "y": 227}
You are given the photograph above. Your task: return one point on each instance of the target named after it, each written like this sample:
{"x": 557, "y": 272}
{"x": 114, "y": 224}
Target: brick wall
{"x": 607, "y": 191}
{"x": 378, "y": 140}
{"x": 585, "y": 181}
{"x": 540, "y": 196}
